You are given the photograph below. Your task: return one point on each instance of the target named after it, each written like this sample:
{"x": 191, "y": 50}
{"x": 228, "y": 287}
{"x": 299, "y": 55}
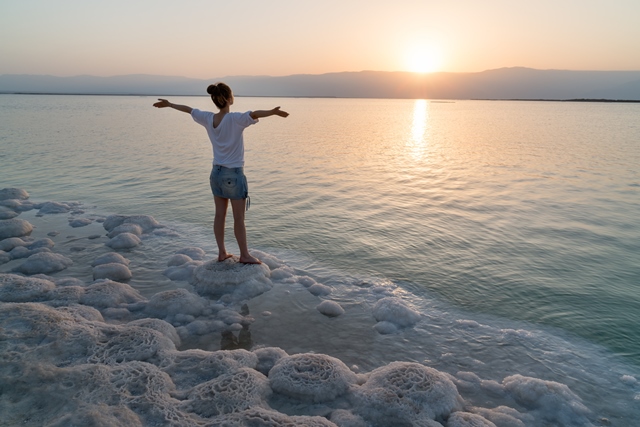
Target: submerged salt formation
{"x": 241, "y": 281}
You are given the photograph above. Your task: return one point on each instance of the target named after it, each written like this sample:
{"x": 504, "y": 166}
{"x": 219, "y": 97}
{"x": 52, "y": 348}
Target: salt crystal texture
{"x": 44, "y": 262}
{"x": 311, "y": 377}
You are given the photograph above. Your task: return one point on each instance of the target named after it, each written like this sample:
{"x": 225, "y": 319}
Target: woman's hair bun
{"x": 213, "y": 90}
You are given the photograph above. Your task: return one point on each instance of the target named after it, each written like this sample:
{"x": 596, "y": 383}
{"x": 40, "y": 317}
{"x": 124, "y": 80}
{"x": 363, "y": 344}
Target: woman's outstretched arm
{"x": 266, "y": 113}
{"x": 163, "y": 103}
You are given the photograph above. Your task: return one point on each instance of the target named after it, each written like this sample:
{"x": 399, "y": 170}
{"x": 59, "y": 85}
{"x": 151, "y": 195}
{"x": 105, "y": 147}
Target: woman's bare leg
{"x": 239, "y": 229}
{"x": 218, "y": 226}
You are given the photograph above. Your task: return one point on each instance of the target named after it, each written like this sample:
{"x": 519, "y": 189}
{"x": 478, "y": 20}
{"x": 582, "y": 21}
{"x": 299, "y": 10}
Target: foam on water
{"x": 181, "y": 347}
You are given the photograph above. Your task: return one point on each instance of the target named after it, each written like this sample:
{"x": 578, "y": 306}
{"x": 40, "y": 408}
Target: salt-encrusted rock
{"x": 241, "y": 281}
{"x": 114, "y": 271}
{"x": 183, "y": 271}
{"x": 14, "y": 227}
{"x": 41, "y": 243}
{"x": 110, "y": 258}
{"x": 556, "y": 400}
{"x": 80, "y": 222}
{"x": 125, "y": 228}
{"x": 124, "y": 241}
{"x": 319, "y": 289}
{"x": 106, "y": 294}
{"x": 406, "y": 393}
{"x": 13, "y": 193}
{"x": 268, "y": 357}
{"x": 194, "y": 253}
{"x": 147, "y": 222}
{"x": 45, "y": 263}
{"x": 178, "y": 259}
{"x": 173, "y": 302}
{"x": 15, "y": 288}
{"x": 330, "y": 308}
{"x": 161, "y": 326}
{"x": 54, "y": 208}
{"x": 8, "y": 244}
{"x": 112, "y": 221}
{"x": 6, "y": 213}
{"x": 4, "y": 257}
{"x": 311, "y": 377}
{"x": 229, "y": 393}
{"x": 394, "y": 310}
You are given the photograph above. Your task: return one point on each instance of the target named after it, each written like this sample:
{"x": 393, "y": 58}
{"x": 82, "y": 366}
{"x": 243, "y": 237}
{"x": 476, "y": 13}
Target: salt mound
{"x": 6, "y": 213}
{"x": 106, "y": 294}
{"x": 14, "y": 288}
{"x": 176, "y": 301}
{"x": 125, "y": 228}
{"x": 13, "y": 193}
{"x": 242, "y": 281}
{"x": 42, "y": 243}
{"x": 178, "y": 259}
{"x": 404, "y": 392}
{"x": 80, "y": 222}
{"x": 330, "y": 308}
{"x": 183, "y": 271}
{"x": 195, "y": 253}
{"x": 161, "y": 326}
{"x": 114, "y": 271}
{"x": 234, "y": 392}
{"x": 467, "y": 419}
{"x": 268, "y": 357}
{"x": 191, "y": 367}
{"x": 4, "y": 257}
{"x": 394, "y": 310}
{"x": 112, "y": 221}
{"x": 311, "y": 377}
{"x": 556, "y": 402}
{"x": 44, "y": 263}
{"x": 146, "y": 222}
{"x": 10, "y": 243}
{"x": 14, "y": 227}
{"x": 54, "y": 208}
{"x": 124, "y": 241}
{"x": 109, "y": 258}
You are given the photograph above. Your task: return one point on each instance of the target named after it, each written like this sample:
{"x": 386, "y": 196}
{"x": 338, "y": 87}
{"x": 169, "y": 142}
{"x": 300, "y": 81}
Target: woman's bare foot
{"x": 222, "y": 257}
{"x": 249, "y": 260}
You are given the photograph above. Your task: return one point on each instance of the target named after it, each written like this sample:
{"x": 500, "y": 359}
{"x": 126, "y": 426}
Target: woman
{"x": 227, "y": 179}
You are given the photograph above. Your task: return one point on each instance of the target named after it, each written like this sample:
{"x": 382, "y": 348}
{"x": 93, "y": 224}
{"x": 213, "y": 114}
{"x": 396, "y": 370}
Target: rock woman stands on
{"x": 227, "y": 179}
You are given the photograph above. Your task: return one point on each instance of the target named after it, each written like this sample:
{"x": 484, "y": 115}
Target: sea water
{"x": 511, "y": 227}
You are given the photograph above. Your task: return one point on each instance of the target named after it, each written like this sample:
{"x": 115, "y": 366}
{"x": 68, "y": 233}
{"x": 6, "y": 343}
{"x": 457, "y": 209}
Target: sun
{"x": 422, "y": 59}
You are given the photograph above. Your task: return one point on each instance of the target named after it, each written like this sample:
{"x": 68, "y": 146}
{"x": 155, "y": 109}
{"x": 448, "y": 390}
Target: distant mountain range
{"x": 503, "y": 83}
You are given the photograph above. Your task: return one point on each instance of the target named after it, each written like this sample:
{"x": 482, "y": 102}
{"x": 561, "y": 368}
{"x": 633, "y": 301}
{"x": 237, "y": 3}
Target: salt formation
{"x": 311, "y": 377}
{"x": 268, "y": 357}
{"x": 330, "y": 308}
{"x": 15, "y": 288}
{"x": 80, "y": 222}
{"x": 114, "y": 271}
{"x": 107, "y": 293}
{"x": 125, "y": 228}
{"x": 14, "y": 227}
{"x": 44, "y": 263}
{"x": 241, "y": 281}
{"x": 194, "y": 253}
{"x": 57, "y": 207}
{"x": 6, "y": 213}
{"x": 178, "y": 259}
{"x": 13, "y": 193}
{"x": 166, "y": 305}
{"x": 467, "y": 419}
{"x": 124, "y": 241}
{"x": 404, "y": 392}
{"x": 109, "y": 258}
{"x": 395, "y": 311}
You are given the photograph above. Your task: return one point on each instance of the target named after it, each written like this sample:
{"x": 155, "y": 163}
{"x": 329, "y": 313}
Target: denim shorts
{"x": 229, "y": 183}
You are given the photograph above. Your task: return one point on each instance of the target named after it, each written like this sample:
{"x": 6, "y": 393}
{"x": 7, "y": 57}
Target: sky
{"x": 210, "y": 38}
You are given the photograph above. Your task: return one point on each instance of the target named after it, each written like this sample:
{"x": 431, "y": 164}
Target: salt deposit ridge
{"x": 124, "y": 320}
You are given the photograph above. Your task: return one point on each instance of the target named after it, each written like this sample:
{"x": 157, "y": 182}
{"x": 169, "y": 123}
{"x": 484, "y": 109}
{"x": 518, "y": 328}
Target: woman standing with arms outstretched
{"x": 227, "y": 179}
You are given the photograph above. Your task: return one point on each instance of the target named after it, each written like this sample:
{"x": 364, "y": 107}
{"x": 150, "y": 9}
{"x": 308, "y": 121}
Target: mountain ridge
{"x": 501, "y": 83}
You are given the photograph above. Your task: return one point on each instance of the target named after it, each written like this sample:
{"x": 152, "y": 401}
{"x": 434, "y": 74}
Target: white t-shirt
{"x": 226, "y": 139}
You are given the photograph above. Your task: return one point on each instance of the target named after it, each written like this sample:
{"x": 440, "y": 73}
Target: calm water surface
{"x": 524, "y": 210}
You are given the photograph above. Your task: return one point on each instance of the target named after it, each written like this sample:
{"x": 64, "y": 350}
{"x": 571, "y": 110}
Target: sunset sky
{"x": 208, "y": 38}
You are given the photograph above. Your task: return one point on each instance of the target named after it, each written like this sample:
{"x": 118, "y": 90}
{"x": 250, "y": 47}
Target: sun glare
{"x": 423, "y": 60}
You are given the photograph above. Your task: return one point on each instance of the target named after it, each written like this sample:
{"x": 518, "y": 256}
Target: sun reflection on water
{"x": 417, "y": 145}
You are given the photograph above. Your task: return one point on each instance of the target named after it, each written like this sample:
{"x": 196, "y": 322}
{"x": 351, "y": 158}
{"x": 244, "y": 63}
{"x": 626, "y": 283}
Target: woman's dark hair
{"x": 220, "y": 93}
